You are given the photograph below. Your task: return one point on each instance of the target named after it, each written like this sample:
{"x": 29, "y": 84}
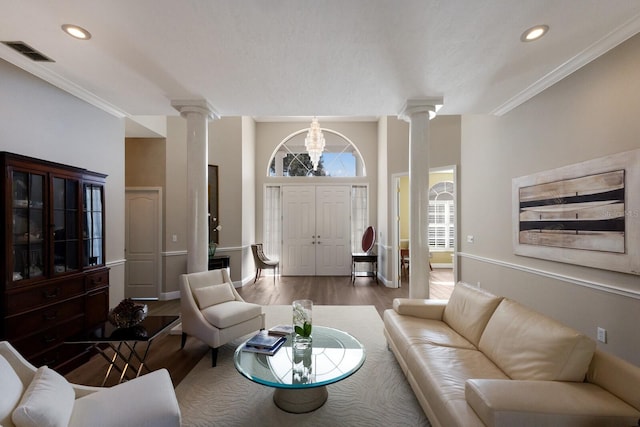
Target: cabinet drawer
{"x": 58, "y": 355}
{"x": 97, "y": 280}
{"x": 44, "y": 295}
{"x": 25, "y": 324}
{"x": 47, "y": 339}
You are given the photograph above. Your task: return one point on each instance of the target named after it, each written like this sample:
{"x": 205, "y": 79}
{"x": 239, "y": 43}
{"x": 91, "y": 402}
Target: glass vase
{"x": 302, "y": 320}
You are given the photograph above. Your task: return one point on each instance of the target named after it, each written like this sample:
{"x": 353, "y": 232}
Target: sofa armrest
{"x": 423, "y": 308}
{"x": 535, "y": 403}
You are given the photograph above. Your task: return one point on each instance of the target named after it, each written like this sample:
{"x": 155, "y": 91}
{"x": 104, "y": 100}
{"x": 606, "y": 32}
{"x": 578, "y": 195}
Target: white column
{"x": 418, "y": 112}
{"x": 197, "y": 113}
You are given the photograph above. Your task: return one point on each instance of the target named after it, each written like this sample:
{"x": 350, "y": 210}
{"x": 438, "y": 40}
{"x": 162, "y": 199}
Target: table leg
{"x": 299, "y": 401}
{"x": 129, "y": 359}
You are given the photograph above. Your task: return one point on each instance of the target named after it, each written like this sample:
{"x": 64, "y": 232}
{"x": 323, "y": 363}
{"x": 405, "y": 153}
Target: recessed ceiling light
{"x": 77, "y": 32}
{"x": 534, "y": 33}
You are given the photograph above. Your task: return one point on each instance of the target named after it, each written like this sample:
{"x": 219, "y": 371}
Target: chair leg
{"x": 257, "y": 275}
{"x": 184, "y": 340}
{"x": 214, "y": 357}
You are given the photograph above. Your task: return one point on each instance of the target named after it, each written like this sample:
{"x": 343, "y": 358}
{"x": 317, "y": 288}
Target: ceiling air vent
{"x": 28, "y": 51}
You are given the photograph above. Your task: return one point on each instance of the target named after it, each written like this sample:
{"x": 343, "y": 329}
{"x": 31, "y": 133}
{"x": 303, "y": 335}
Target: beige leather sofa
{"x": 480, "y": 359}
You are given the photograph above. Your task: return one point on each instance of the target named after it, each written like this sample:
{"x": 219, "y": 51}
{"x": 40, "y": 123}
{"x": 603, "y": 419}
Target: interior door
{"x": 316, "y": 230}
{"x": 142, "y": 243}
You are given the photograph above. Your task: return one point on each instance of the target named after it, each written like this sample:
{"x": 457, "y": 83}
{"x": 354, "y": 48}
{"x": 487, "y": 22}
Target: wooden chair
{"x": 263, "y": 262}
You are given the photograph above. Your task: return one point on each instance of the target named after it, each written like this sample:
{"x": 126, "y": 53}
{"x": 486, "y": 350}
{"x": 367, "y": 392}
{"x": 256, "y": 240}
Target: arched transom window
{"x": 340, "y": 158}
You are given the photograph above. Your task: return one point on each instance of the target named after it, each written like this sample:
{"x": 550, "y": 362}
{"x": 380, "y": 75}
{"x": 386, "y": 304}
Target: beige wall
{"x": 226, "y": 151}
{"x": 39, "y": 120}
{"x": 591, "y": 114}
{"x": 145, "y": 162}
{"x": 174, "y": 255}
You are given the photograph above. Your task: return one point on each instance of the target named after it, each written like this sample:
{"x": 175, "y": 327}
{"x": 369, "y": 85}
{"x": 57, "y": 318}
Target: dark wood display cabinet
{"x": 54, "y": 280}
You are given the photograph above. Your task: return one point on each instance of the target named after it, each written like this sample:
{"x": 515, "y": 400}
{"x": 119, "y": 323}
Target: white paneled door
{"x": 143, "y": 228}
{"x": 316, "y": 230}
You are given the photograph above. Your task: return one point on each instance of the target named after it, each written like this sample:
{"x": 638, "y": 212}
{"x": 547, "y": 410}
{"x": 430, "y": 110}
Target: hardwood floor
{"x": 166, "y": 353}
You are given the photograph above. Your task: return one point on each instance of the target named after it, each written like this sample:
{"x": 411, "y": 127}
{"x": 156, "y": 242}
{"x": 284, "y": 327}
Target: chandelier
{"x": 314, "y": 143}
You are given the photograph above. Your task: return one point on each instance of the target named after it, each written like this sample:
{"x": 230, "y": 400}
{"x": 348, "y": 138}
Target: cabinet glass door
{"x": 28, "y": 225}
{"x": 92, "y": 233}
{"x": 65, "y": 225}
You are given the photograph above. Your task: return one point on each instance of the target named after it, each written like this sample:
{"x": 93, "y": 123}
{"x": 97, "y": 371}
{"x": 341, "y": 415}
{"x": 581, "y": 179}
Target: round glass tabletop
{"x": 334, "y": 356}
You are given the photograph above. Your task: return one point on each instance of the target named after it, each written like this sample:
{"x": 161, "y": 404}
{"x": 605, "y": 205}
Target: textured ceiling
{"x": 268, "y": 59}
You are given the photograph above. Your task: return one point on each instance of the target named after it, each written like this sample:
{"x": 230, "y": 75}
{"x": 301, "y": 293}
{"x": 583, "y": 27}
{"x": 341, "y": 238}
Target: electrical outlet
{"x": 174, "y": 238}
{"x": 602, "y": 335}
{"x": 470, "y": 238}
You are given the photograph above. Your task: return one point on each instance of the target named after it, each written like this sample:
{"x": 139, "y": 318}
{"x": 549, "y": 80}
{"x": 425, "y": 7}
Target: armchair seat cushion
{"x": 231, "y": 313}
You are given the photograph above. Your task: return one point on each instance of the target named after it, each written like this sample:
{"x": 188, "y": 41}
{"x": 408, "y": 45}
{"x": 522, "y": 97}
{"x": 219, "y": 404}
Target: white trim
{"x": 574, "y": 280}
{"x": 167, "y": 296}
{"x": 116, "y": 262}
{"x": 611, "y": 40}
{"x": 174, "y": 253}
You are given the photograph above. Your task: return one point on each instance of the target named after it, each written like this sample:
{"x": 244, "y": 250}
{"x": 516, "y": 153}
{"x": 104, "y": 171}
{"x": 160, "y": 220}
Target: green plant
{"x": 304, "y": 330}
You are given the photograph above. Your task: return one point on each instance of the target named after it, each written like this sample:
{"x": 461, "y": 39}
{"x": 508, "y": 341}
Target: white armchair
{"x": 31, "y": 396}
{"x": 214, "y": 312}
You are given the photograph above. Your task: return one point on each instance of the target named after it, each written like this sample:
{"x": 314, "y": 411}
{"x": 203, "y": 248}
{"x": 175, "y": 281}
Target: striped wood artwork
{"x": 581, "y": 213}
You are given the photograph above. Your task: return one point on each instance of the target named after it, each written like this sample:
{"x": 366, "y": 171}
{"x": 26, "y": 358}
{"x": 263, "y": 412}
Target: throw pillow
{"x": 11, "y": 389}
{"x": 212, "y": 295}
{"x": 47, "y": 402}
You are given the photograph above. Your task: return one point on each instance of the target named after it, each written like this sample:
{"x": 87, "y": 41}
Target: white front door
{"x": 333, "y": 231}
{"x": 143, "y": 230}
{"x": 316, "y": 231}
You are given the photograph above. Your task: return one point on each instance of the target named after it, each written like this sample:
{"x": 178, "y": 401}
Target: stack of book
{"x": 264, "y": 343}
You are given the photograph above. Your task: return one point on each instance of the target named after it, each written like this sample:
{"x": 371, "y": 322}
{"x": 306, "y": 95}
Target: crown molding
{"x": 597, "y": 49}
{"x": 44, "y": 73}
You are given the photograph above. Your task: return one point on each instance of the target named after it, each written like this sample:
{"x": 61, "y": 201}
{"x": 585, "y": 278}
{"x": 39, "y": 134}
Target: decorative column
{"x": 198, "y": 113}
{"x": 418, "y": 112}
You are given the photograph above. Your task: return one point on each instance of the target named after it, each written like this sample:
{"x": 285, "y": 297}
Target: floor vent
{"x": 28, "y": 51}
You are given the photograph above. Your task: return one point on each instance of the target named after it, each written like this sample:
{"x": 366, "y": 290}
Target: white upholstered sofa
{"x": 480, "y": 359}
{"x": 41, "y": 397}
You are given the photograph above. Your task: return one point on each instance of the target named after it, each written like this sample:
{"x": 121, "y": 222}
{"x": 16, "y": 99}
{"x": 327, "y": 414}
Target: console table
{"x": 217, "y": 262}
{"x": 367, "y": 257}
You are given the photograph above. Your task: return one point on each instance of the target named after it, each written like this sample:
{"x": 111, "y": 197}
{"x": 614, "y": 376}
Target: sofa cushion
{"x": 440, "y": 373}
{"x": 527, "y": 345}
{"x": 408, "y": 330}
{"x": 510, "y": 403}
{"x": 11, "y": 389}
{"x": 231, "y": 313}
{"x": 130, "y": 404}
{"x": 47, "y": 401}
{"x": 469, "y": 310}
{"x": 212, "y": 295}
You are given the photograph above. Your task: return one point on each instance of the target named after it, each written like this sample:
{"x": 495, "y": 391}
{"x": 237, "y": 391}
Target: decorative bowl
{"x": 127, "y": 314}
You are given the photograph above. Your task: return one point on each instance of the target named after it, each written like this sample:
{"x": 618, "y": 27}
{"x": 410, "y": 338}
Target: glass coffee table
{"x": 300, "y": 377}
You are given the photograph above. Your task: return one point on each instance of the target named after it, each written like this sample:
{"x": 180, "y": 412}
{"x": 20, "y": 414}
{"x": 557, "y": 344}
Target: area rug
{"x": 377, "y": 395}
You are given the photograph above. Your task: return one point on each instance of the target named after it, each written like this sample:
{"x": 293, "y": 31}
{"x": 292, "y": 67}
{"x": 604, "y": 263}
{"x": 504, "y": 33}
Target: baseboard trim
{"x": 569, "y": 279}
{"x": 167, "y": 296}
